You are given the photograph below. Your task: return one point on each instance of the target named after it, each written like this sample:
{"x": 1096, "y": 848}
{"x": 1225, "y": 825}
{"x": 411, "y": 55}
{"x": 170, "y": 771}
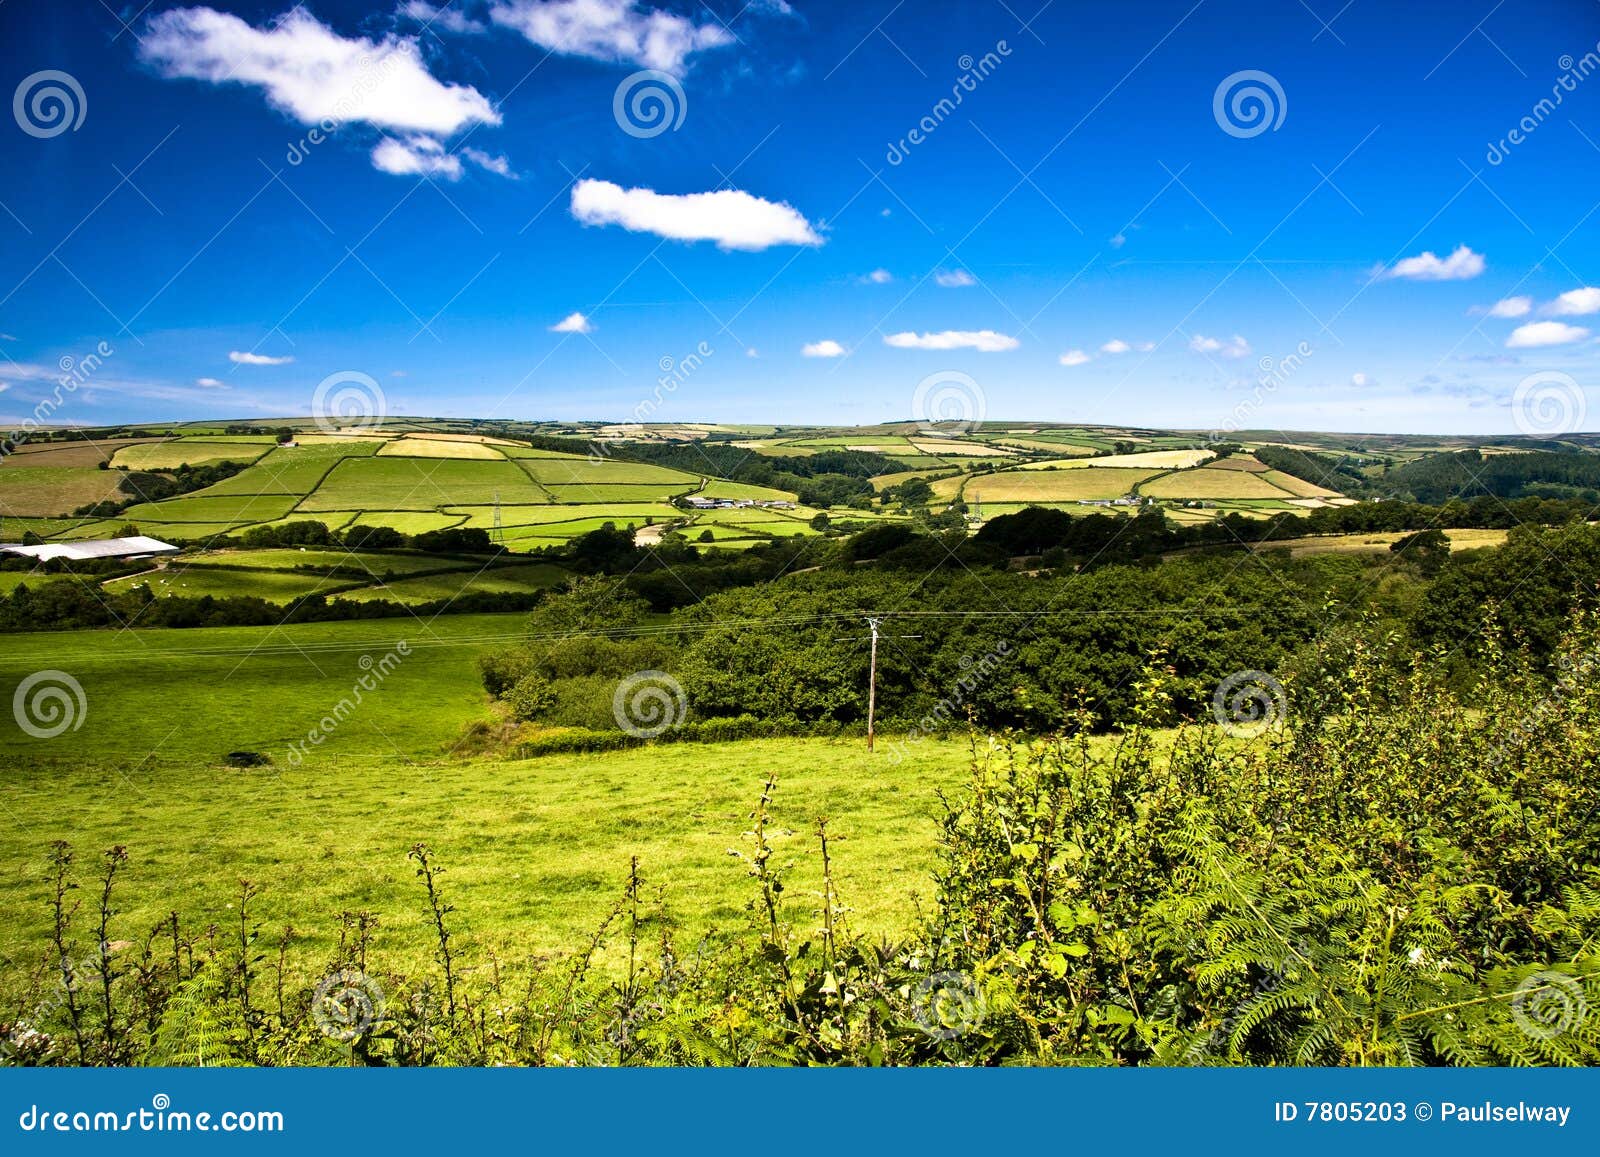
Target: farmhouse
{"x": 138, "y": 546}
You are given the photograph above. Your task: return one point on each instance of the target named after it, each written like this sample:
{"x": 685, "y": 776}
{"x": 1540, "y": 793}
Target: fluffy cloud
{"x": 1542, "y": 333}
{"x": 415, "y": 156}
{"x": 614, "y": 30}
{"x": 1075, "y": 358}
{"x": 983, "y": 340}
{"x": 312, "y": 73}
{"x": 448, "y": 16}
{"x": 248, "y": 359}
{"x": 1358, "y": 379}
{"x": 732, "y": 218}
{"x": 573, "y": 323}
{"x": 1576, "y": 302}
{"x": 210, "y": 384}
{"x": 1511, "y": 307}
{"x": 1236, "y": 347}
{"x": 1461, "y": 265}
{"x": 879, "y": 277}
{"x": 954, "y": 278}
{"x": 1115, "y": 346}
{"x": 823, "y": 349}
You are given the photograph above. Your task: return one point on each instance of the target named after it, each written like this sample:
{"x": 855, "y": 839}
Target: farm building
{"x": 138, "y": 546}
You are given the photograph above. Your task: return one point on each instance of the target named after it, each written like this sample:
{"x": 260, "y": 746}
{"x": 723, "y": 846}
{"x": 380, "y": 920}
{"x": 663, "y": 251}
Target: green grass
{"x": 537, "y": 847}
{"x": 169, "y": 455}
{"x": 382, "y": 484}
{"x": 372, "y": 562}
{"x": 276, "y": 586}
{"x": 615, "y": 494}
{"x": 227, "y": 508}
{"x": 406, "y": 522}
{"x": 495, "y": 580}
{"x": 618, "y": 512}
{"x": 584, "y": 472}
{"x": 190, "y": 696}
{"x": 47, "y": 491}
{"x": 292, "y": 471}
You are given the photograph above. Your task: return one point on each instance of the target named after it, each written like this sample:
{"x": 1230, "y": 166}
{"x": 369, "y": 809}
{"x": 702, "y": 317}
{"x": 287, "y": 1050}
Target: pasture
{"x": 535, "y": 847}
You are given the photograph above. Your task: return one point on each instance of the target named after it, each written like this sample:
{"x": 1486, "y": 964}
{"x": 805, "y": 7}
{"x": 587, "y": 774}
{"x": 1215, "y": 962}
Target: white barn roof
{"x": 103, "y": 548}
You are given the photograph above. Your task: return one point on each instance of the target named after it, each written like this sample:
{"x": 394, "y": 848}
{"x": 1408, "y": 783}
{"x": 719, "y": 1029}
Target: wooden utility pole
{"x": 872, "y": 682}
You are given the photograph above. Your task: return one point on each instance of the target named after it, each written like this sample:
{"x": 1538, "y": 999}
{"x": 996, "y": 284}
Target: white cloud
{"x": 615, "y": 30}
{"x": 1542, "y": 333}
{"x": 823, "y": 349}
{"x": 1115, "y": 346}
{"x": 415, "y": 156}
{"x": 1358, "y": 379}
{"x": 1145, "y": 347}
{"x": 247, "y": 359}
{"x": 1461, "y": 265}
{"x": 573, "y": 323}
{"x": 752, "y": 352}
{"x": 1118, "y": 241}
{"x": 1236, "y": 347}
{"x": 1075, "y": 358}
{"x": 954, "y": 279}
{"x": 448, "y": 16}
{"x": 879, "y": 277}
{"x": 1576, "y": 302}
{"x": 731, "y": 217}
{"x": 494, "y": 164}
{"x": 983, "y": 340}
{"x": 210, "y": 383}
{"x": 312, "y": 73}
{"x": 1510, "y": 307}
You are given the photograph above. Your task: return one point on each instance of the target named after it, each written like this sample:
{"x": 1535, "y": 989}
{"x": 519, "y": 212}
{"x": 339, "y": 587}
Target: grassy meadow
{"x": 537, "y": 847}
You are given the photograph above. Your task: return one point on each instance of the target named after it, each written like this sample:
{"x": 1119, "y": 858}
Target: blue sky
{"x": 1086, "y": 236}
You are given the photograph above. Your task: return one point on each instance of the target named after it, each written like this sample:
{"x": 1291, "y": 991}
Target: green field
{"x": 187, "y": 451}
{"x": 537, "y": 847}
{"x": 421, "y": 484}
{"x": 48, "y": 491}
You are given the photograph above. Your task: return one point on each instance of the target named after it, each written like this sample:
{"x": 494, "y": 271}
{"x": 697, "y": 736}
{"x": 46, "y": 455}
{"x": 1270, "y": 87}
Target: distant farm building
{"x": 138, "y": 546}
